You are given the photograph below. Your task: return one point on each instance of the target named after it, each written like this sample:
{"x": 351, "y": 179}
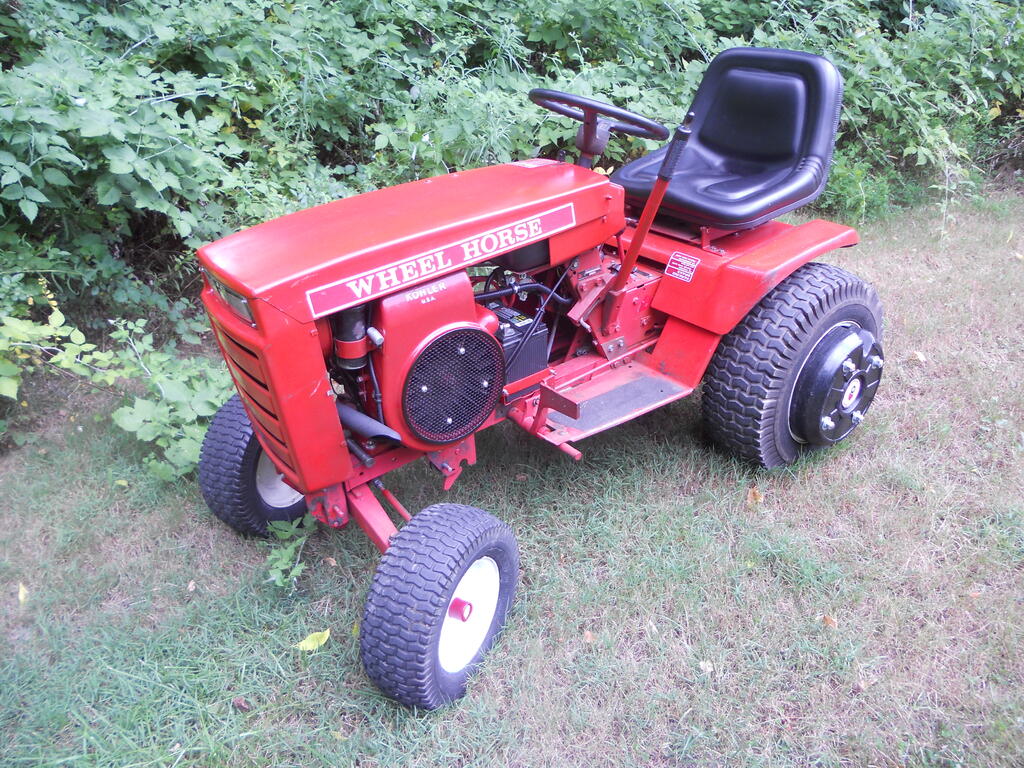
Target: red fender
{"x": 706, "y": 293}
{"x": 714, "y": 289}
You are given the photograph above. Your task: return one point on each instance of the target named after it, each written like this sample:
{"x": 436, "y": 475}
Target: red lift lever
{"x": 668, "y": 166}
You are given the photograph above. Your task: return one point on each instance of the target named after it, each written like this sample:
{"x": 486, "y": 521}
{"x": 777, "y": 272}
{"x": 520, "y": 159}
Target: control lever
{"x": 668, "y": 167}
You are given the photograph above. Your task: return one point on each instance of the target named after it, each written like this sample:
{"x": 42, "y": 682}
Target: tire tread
{"x": 409, "y": 590}
{"x": 221, "y": 461}
{"x": 747, "y": 375}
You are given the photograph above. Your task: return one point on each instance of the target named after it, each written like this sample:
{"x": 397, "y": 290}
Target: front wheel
{"x": 239, "y": 482}
{"x": 438, "y": 600}
{"x": 799, "y": 371}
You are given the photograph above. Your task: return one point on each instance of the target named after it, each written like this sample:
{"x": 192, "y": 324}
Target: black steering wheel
{"x": 593, "y": 134}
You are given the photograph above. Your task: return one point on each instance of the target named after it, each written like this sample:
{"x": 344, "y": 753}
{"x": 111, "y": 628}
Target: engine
{"x": 440, "y": 369}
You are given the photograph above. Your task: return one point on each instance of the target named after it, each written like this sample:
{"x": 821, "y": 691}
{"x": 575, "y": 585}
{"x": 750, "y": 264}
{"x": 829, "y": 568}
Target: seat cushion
{"x": 761, "y": 141}
{"x": 734, "y": 196}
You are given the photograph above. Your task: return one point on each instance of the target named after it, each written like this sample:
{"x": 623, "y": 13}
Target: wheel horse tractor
{"x": 369, "y": 332}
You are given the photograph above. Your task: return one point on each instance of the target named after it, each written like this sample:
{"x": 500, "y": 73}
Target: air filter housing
{"x": 453, "y": 385}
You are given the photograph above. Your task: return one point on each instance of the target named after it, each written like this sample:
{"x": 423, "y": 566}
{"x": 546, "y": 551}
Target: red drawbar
{"x": 371, "y": 516}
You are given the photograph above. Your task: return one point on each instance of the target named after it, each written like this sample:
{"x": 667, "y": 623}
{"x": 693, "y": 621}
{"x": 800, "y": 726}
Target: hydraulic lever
{"x": 668, "y": 167}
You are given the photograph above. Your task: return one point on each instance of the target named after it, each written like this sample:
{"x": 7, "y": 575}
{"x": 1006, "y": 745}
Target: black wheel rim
{"x": 836, "y": 385}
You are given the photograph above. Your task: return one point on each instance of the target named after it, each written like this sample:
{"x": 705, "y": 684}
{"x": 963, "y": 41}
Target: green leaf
{"x": 107, "y": 193}
{"x": 76, "y": 337}
{"x": 176, "y": 391}
{"x": 13, "y": 192}
{"x": 34, "y": 194}
{"x": 6, "y": 158}
{"x": 128, "y": 418}
{"x": 162, "y": 470}
{"x": 7, "y": 368}
{"x": 11, "y": 176}
{"x": 29, "y": 209}
{"x": 121, "y": 157}
{"x": 120, "y": 167}
{"x": 94, "y": 123}
{"x": 184, "y": 453}
{"x": 56, "y": 177}
{"x": 9, "y": 387}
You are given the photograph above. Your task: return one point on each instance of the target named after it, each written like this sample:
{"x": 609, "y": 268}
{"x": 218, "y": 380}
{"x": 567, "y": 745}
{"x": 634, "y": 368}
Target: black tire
{"x": 412, "y": 594}
{"x": 748, "y": 387}
{"x": 228, "y": 465}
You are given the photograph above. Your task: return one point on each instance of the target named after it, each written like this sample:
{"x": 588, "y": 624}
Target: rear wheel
{"x": 239, "y": 482}
{"x": 438, "y": 600}
{"x": 799, "y": 371}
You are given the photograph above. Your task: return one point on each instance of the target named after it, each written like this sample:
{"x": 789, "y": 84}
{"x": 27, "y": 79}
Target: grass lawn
{"x": 677, "y": 608}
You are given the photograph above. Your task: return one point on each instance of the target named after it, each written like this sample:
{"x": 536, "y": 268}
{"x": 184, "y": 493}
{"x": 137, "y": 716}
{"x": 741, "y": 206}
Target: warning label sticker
{"x": 681, "y": 266}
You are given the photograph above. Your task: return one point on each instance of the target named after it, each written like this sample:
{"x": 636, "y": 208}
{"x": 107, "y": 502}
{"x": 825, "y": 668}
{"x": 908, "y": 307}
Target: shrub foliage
{"x": 132, "y": 132}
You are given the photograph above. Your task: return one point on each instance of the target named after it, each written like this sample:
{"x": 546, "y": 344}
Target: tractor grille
{"x": 454, "y": 385}
{"x": 246, "y": 367}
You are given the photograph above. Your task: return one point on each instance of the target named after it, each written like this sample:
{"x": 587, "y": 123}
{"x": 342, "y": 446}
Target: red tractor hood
{"x": 318, "y": 261}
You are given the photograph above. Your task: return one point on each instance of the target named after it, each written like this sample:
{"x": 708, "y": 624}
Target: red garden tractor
{"x": 380, "y": 329}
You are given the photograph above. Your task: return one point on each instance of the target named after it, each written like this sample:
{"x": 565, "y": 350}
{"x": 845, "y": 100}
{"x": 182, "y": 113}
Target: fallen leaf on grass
{"x": 191, "y": 586}
{"x": 829, "y": 621}
{"x": 706, "y": 667}
{"x": 22, "y": 593}
{"x": 241, "y": 704}
{"x": 331, "y": 562}
{"x": 121, "y": 483}
{"x": 754, "y": 496}
{"x": 521, "y": 477}
{"x": 355, "y": 629}
{"x": 918, "y": 357}
{"x": 313, "y": 640}
{"x": 588, "y": 637}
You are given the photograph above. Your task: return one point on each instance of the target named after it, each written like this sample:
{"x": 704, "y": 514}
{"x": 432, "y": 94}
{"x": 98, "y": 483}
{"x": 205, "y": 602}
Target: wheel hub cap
{"x": 836, "y": 385}
{"x": 469, "y": 615}
{"x": 271, "y": 487}
{"x": 851, "y": 393}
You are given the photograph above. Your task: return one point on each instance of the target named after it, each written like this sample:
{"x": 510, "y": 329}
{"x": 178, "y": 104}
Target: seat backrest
{"x": 768, "y": 105}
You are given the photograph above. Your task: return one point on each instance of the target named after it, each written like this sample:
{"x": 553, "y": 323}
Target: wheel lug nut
{"x": 875, "y": 361}
{"x": 857, "y": 417}
{"x": 849, "y": 367}
{"x": 827, "y": 423}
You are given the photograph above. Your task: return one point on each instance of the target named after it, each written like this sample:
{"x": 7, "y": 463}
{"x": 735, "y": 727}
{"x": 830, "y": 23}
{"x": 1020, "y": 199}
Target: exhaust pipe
{"x": 365, "y": 426}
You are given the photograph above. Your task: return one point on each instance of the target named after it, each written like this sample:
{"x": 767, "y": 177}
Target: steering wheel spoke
{"x": 592, "y": 137}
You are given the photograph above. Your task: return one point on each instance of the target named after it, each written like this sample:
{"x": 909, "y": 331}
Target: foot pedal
{"x": 604, "y": 401}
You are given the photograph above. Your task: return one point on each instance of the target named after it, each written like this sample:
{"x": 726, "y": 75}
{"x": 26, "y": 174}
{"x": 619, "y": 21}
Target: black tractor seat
{"x": 764, "y": 126}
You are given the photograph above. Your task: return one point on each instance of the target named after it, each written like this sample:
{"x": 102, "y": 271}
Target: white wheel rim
{"x": 460, "y": 639}
{"x": 271, "y": 487}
